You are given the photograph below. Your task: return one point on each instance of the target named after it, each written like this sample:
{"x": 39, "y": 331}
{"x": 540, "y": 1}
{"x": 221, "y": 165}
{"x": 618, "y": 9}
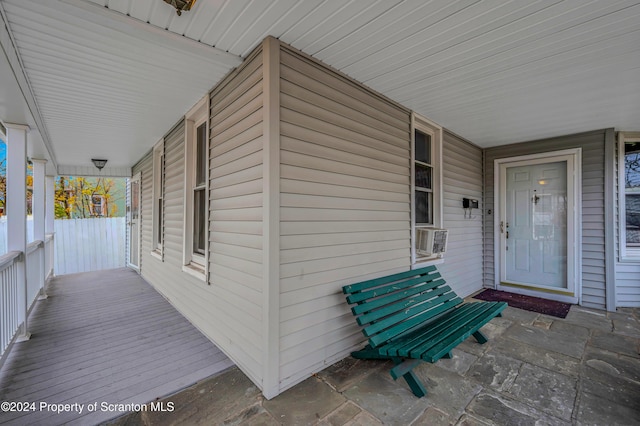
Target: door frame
{"x": 136, "y": 177}
{"x": 573, "y": 157}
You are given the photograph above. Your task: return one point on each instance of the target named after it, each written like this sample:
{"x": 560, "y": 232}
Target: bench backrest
{"x": 390, "y": 306}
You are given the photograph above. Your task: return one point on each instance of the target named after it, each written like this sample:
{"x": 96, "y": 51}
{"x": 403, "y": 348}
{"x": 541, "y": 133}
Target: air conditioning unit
{"x": 431, "y": 241}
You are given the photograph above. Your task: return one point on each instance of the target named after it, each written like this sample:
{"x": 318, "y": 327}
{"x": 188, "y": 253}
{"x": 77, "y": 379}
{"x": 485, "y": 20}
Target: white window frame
{"x": 626, "y": 254}
{"x": 194, "y": 263}
{"x": 157, "y": 248}
{"x": 424, "y": 125}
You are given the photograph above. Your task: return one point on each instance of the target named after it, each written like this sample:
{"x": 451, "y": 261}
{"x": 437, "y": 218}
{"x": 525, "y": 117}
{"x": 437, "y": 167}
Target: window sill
{"x": 420, "y": 263}
{"x": 157, "y": 254}
{"x": 196, "y": 271}
{"x": 629, "y": 259}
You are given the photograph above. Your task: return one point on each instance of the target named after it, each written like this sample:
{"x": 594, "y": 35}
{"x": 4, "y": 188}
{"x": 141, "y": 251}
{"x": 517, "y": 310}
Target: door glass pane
{"x": 135, "y": 200}
{"x": 199, "y": 217}
{"x": 422, "y": 147}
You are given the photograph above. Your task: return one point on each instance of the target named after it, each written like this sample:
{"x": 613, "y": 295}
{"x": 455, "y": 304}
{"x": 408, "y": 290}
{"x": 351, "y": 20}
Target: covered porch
{"x": 535, "y": 369}
{"x": 102, "y": 337}
{"x": 108, "y": 338}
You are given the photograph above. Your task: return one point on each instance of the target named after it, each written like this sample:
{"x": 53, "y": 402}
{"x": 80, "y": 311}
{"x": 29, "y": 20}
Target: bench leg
{"x": 404, "y": 369}
{"x": 481, "y": 338}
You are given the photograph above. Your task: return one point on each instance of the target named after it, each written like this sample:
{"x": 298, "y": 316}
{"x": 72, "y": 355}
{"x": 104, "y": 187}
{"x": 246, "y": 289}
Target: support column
{"x": 50, "y": 209}
{"x": 38, "y": 206}
{"x": 49, "y": 225}
{"x": 16, "y": 208}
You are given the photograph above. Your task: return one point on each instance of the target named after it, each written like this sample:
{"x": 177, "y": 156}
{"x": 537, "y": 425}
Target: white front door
{"x": 133, "y": 222}
{"x": 537, "y": 226}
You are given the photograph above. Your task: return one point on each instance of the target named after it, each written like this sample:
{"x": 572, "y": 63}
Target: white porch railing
{"x": 9, "y": 299}
{"x": 13, "y": 305}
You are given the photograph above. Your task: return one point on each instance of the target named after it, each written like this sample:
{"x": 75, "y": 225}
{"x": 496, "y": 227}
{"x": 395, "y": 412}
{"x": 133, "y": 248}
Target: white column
{"x": 49, "y": 225}
{"x": 50, "y": 195}
{"x": 16, "y": 208}
{"x": 38, "y": 200}
{"x": 38, "y": 206}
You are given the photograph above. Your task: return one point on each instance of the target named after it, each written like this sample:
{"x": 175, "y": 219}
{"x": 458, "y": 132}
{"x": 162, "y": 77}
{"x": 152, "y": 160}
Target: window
{"x": 158, "y": 197}
{"x": 426, "y": 188}
{"x": 98, "y": 206}
{"x": 200, "y": 190}
{"x": 196, "y": 189}
{"x": 629, "y": 201}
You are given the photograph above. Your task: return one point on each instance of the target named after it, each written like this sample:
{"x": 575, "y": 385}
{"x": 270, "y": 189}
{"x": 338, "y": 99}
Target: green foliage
{"x": 80, "y": 197}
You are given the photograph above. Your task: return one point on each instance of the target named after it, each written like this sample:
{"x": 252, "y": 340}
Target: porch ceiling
{"x": 110, "y": 77}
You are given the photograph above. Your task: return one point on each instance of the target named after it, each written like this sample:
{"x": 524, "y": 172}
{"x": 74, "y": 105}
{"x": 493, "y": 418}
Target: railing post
{"x": 50, "y": 193}
{"x": 38, "y": 204}
{"x": 16, "y": 208}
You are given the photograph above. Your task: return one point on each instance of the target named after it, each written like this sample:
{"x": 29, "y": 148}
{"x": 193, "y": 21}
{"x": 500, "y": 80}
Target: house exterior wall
{"x": 594, "y": 237}
{"x": 226, "y": 308}
{"x": 344, "y": 207}
{"x": 235, "y": 219}
{"x": 317, "y": 167}
{"x": 462, "y": 178}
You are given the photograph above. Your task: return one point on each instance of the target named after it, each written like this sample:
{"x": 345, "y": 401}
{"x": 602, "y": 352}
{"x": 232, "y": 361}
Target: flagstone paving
{"x": 535, "y": 369}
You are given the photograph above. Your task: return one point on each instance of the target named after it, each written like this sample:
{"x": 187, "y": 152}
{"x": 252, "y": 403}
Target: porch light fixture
{"x": 181, "y": 5}
{"x": 98, "y": 163}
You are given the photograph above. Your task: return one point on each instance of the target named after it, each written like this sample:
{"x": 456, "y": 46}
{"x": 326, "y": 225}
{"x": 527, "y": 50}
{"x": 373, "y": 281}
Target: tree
{"x": 88, "y": 197}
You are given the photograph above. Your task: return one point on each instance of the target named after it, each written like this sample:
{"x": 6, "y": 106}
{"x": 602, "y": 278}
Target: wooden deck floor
{"x": 105, "y": 337}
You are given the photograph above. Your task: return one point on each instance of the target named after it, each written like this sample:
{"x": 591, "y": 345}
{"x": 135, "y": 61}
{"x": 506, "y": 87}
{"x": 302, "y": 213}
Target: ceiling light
{"x": 181, "y": 5}
{"x": 99, "y": 163}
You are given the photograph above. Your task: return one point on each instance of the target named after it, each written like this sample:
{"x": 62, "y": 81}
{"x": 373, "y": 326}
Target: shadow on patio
{"x": 105, "y": 337}
{"x": 535, "y": 369}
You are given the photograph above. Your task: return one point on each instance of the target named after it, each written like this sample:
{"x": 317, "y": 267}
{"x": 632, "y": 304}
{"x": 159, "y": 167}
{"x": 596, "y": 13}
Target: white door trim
{"x": 574, "y": 219}
{"x": 136, "y": 177}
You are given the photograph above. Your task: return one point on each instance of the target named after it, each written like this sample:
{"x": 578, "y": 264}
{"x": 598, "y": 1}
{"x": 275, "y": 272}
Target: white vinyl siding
{"x": 345, "y": 207}
{"x": 462, "y": 178}
{"x": 593, "y": 207}
{"x": 235, "y": 214}
{"x": 217, "y": 311}
{"x": 628, "y": 284}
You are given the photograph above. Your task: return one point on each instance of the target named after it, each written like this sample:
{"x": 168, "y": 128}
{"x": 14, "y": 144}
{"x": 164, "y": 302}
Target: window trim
{"x": 432, "y": 129}
{"x": 625, "y": 254}
{"x": 157, "y": 247}
{"x": 194, "y": 263}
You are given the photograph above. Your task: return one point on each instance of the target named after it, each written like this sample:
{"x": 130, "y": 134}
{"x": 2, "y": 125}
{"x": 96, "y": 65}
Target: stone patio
{"x": 535, "y": 369}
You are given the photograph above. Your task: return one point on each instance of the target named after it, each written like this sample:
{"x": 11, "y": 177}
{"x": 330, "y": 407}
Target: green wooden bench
{"x": 414, "y": 316}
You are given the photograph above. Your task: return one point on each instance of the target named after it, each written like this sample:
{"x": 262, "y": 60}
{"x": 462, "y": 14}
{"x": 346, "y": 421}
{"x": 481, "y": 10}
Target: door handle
{"x": 501, "y": 227}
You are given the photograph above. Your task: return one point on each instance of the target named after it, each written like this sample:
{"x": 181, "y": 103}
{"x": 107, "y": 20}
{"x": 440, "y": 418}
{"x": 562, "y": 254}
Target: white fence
{"x": 81, "y": 245}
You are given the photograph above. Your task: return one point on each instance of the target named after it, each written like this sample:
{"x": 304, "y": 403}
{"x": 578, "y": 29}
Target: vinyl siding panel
{"x": 628, "y": 284}
{"x": 235, "y": 214}
{"x": 593, "y": 206}
{"x": 145, "y": 168}
{"x": 345, "y": 212}
{"x": 199, "y": 302}
{"x": 462, "y": 178}
{"x": 227, "y": 309}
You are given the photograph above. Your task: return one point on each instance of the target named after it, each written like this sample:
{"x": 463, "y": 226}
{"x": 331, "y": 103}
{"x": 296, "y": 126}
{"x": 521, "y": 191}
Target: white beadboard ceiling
{"x": 110, "y": 77}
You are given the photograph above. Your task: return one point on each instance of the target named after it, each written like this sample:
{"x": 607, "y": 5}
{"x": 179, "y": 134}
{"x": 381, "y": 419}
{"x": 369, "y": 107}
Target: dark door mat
{"x": 528, "y": 303}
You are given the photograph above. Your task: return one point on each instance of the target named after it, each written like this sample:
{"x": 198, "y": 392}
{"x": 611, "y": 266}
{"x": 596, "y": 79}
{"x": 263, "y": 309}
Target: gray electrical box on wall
{"x": 469, "y": 203}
